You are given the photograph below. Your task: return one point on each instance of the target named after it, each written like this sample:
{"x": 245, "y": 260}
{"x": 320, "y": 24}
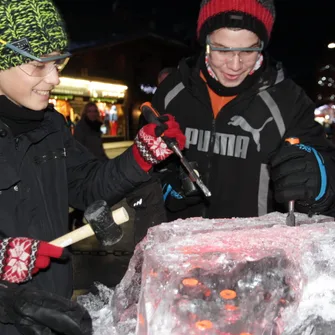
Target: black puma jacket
{"x": 234, "y": 149}
{"x": 42, "y": 173}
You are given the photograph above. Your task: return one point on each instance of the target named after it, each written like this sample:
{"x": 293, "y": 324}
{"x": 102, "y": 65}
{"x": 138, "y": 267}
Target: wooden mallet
{"x": 101, "y": 223}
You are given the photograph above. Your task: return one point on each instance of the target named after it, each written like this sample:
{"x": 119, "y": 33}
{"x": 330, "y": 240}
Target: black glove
{"x": 149, "y": 207}
{"x": 179, "y": 192}
{"x": 298, "y": 173}
{"x": 35, "y": 312}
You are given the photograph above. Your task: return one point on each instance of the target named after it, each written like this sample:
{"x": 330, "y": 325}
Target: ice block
{"x": 249, "y": 276}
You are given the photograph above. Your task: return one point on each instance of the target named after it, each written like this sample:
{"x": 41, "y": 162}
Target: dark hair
{"x": 89, "y": 107}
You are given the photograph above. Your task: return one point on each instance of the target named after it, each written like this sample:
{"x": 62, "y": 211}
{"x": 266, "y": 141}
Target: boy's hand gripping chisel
{"x": 151, "y": 115}
{"x": 290, "y": 219}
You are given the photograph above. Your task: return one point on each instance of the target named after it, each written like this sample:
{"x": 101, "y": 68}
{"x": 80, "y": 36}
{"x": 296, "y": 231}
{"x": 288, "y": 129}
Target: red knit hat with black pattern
{"x": 255, "y": 15}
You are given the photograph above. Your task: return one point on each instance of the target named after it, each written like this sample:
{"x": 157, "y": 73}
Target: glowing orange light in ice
{"x": 141, "y": 319}
{"x": 204, "y": 324}
{"x": 190, "y": 282}
{"x": 228, "y": 294}
{"x": 230, "y": 307}
{"x": 153, "y": 273}
{"x": 207, "y": 292}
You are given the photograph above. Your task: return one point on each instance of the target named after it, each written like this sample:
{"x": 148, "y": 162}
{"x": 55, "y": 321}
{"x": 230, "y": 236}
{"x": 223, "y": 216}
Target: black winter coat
{"x": 234, "y": 149}
{"x": 42, "y": 173}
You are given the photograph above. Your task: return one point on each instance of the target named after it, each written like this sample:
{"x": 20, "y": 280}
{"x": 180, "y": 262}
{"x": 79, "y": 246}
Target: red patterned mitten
{"x": 150, "y": 149}
{"x": 21, "y": 257}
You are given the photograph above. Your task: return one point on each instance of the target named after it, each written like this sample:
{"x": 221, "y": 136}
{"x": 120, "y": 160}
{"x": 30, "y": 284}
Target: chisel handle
{"x": 151, "y": 115}
{"x": 290, "y": 219}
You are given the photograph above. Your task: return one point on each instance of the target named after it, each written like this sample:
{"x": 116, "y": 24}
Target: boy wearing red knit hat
{"x": 237, "y": 106}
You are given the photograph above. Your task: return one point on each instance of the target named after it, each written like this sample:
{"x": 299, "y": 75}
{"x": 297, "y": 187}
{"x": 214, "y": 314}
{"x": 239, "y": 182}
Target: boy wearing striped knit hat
{"x": 44, "y": 170}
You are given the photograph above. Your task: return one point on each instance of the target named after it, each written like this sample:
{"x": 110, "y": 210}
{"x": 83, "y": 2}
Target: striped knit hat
{"x": 32, "y": 25}
{"x": 255, "y": 15}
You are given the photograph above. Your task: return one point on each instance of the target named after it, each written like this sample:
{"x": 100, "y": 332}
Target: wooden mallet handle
{"x": 120, "y": 216}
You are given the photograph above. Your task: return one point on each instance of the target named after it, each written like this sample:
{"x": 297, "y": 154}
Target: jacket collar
{"x": 47, "y": 126}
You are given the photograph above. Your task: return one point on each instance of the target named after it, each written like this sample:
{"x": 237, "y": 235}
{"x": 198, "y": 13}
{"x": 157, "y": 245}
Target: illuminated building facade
{"x": 70, "y": 96}
{"x": 130, "y": 64}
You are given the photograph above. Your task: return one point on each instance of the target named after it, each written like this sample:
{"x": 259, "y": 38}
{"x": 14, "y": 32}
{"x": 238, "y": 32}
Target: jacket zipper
{"x": 17, "y": 141}
{"x": 43, "y": 196}
{"x": 210, "y": 153}
{"x": 209, "y": 166}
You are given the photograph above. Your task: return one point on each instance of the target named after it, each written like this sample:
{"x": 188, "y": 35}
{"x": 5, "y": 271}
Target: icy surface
{"x": 251, "y": 276}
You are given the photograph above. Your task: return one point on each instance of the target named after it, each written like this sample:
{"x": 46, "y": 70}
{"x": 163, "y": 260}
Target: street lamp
{"x": 331, "y": 45}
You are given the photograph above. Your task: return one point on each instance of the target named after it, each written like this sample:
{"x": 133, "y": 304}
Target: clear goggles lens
{"x": 39, "y": 69}
{"x": 246, "y": 55}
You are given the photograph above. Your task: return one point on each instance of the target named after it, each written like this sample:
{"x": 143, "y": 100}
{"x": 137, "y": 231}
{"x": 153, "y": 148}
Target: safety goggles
{"x": 40, "y": 66}
{"x": 245, "y": 54}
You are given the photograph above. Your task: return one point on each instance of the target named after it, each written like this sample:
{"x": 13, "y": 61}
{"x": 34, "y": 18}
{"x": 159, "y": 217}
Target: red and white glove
{"x": 22, "y": 257}
{"x": 149, "y": 147}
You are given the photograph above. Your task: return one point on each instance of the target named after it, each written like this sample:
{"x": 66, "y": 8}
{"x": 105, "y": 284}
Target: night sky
{"x": 300, "y": 37}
